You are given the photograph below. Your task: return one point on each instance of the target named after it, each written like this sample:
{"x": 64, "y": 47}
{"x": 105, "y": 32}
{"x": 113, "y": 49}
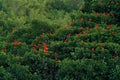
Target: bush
{"x": 84, "y": 69}
{"x": 20, "y": 72}
{"x": 66, "y": 5}
{"x": 5, "y": 75}
{"x": 40, "y": 67}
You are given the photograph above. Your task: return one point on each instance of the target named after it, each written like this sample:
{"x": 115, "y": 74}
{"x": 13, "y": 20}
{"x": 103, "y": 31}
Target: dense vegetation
{"x": 59, "y": 39}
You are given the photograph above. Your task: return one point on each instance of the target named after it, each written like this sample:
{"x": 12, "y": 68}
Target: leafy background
{"x": 59, "y": 39}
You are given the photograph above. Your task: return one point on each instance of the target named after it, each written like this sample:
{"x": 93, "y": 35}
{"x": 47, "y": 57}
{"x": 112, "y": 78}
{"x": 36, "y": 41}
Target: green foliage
{"x": 102, "y": 6}
{"x": 5, "y": 75}
{"x": 115, "y": 73}
{"x": 59, "y": 40}
{"x": 39, "y": 27}
{"x": 20, "y": 72}
{"x": 82, "y": 70}
{"x": 41, "y": 67}
{"x": 67, "y": 5}
{"x": 4, "y": 60}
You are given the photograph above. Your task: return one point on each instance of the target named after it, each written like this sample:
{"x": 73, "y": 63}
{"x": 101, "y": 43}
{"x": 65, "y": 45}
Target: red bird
{"x": 104, "y": 14}
{"x": 96, "y": 26}
{"x": 110, "y": 27}
{"x": 82, "y": 28}
{"x": 65, "y": 40}
{"x": 84, "y": 33}
{"x": 45, "y": 48}
{"x": 93, "y": 50}
{"x": 34, "y": 47}
{"x": 41, "y": 35}
{"x": 81, "y": 19}
{"x": 113, "y": 33}
{"x": 16, "y": 42}
{"x": 112, "y": 14}
{"x": 68, "y": 35}
{"x": 77, "y": 35}
{"x": 50, "y": 33}
{"x": 4, "y": 50}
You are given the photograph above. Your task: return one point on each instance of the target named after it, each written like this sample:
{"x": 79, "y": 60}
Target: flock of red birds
{"x": 45, "y": 47}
